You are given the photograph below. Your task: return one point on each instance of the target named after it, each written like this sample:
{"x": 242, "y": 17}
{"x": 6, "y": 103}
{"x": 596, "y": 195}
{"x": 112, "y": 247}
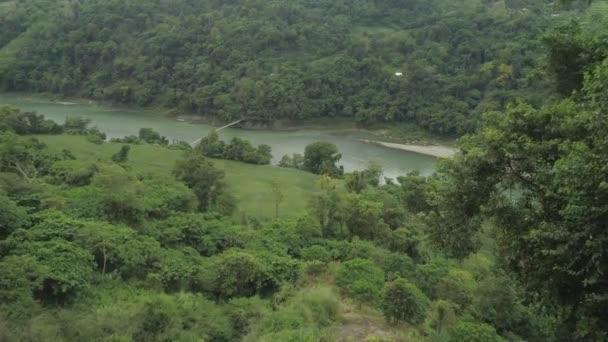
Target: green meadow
{"x": 250, "y": 184}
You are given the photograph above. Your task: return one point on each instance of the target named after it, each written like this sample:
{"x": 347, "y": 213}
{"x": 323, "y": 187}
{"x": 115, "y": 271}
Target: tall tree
{"x": 321, "y": 158}
{"x": 203, "y": 178}
{"x": 27, "y": 157}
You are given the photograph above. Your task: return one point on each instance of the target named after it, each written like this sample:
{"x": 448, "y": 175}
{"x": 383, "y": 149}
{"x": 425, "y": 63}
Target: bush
{"x": 403, "y": 302}
{"x": 11, "y": 216}
{"x": 458, "y": 286}
{"x": 361, "y": 279}
{"x": 130, "y": 139}
{"x": 13, "y": 120}
{"x": 429, "y": 274}
{"x": 314, "y": 268}
{"x": 238, "y": 274}
{"x": 403, "y": 240}
{"x": 150, "y": 136}
{"x": 321, "y": 158}
{"x": 73, "y": 172}
{"x": 474, "y": 332}
{"x": 441, "y": 316}
{"x": 296, "y": 161}
{"x": 183, "y": 317}
{"x": 316, "y": 252}
{"x": 211, "y": 146}
{"x": 122, "y": 155}
{"x": 243, "y": 312}
{"x": 306, "y": 312}
{"x": 95, "y": 139}
{"x": 65, "y": 268}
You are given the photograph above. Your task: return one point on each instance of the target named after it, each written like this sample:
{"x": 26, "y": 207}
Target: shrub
{"x": 441, "y": 316}
{"x": 183, "y": 317}
{"x": 11, "y": 216}
{"x": 150, "y": 136}
{"x": 239, "y": 274}
{"x": 73, "y": 172}
{"x": 242, "y": 312}
{"x": 361, "y": 279}
{"x": 306, "y": 312}
{"x": 403, "y": 301}
{"x": 321, "y": 158}
{"x": 457, "y": 286}
{"x": 429, "y": 274}
{"x": 314, "y": 268}
{"x": 122, "y": 155}
{"x": 474, "y": 332}
{"x": 316, "y": 252}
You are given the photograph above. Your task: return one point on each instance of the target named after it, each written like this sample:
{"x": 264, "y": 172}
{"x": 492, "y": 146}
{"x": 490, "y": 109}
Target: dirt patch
{"x": 366, "y": 324}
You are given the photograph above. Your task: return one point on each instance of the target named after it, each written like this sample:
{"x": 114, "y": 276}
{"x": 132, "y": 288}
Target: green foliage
{"x": 27, "y": 157}
{"x": 73, "y": 172}
{"x": 474, "y": 332}
{"x": 457, "y": 286}
{"x": 15, "y": 121}
{"x": 75, "y": 125}
{"x": 79, "y": 126}
{"x": 321, "y": 158}
{"x": 301, "y": 317}
{"x": 11, "y": 216}
{"x": 498, "y": 302}
{"x": 415, "y": 191}
{"x": 206, "y": 181}
{"x": 316, "y": 252}
{"x": 238, "y": 274}
{"x": 122, "y": 155}
{"x": 404, "y": 240}
{"x": 206, "y": 234}
{"x": 21, "y": 276}
{"x": 150, "y": 136}
{"x": 186, "y": 317}
{"x": 441, "y": 316}
{"x": 122, "y": 196}
{"x": 576, "y": 47}
{"x": 269, "y": 61}
{"x": 363, "y": 218}
{"x": 358, "y": 181}
{"x": 211, "y": 146}
{"x": 245, "y": 312}
{"x": 251, "y": 193}
{"x": 308, "y": 229}
{"x": 430, "y": 273}
{"x": 403, "y": 301}
{"x": 296, "y": 161}
{"x": 361, "y": 280}
{"x": 549, "y": 158}
{"x": 66, "y": 268}
{"x": 327, "y": 208}
{"x": 238, "y": 150}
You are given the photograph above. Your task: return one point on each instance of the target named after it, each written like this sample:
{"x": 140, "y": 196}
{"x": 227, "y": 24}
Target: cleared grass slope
{"x": 250, "y": 184}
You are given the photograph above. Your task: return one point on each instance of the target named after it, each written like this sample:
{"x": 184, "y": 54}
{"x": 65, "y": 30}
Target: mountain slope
{"x": 434, "y": 63}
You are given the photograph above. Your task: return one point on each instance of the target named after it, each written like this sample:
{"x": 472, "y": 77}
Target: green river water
{"x": 119, "y": 122}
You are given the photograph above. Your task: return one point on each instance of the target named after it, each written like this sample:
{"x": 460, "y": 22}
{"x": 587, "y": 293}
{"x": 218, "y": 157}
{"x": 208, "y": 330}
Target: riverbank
{"x": 349, "y": 128}
{"x": 427, "y": 150}
{"x": 120, "y": 121}
{"x": 407, "y": 137}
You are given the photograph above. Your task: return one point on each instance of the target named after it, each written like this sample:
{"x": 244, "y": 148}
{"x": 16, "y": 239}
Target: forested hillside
{"x": 142, "y": 239}
{"x": 435, "y": 63}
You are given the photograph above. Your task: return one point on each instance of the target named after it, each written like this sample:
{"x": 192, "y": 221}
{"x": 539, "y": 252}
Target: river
{"x": 119, "y": 122}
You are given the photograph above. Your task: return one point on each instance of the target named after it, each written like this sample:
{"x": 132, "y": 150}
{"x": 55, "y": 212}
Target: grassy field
{"x": 250, "y": 184}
